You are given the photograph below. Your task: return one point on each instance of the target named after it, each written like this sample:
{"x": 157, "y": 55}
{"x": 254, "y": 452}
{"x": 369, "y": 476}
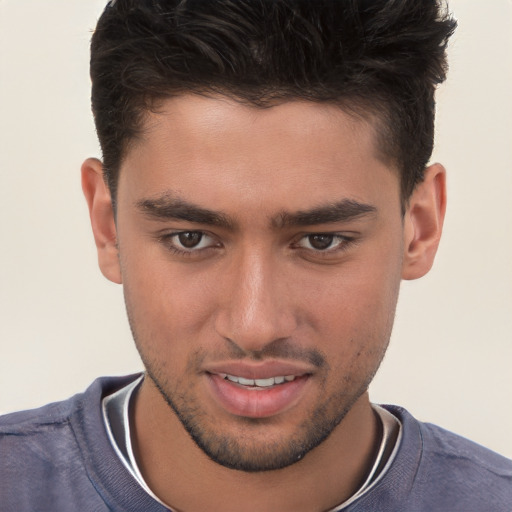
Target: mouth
{"x": 259, "y": 383}
{"x": 255, "y": 392}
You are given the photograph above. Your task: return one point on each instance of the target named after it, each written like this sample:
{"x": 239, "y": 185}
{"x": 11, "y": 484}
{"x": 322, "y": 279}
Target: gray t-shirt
{"x": 59, "y": 459}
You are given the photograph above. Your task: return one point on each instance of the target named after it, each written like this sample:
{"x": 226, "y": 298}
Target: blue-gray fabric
{"x": 58, "y": 459}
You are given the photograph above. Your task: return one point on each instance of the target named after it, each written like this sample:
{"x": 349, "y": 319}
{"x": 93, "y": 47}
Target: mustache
{"x": 277, "y": 349}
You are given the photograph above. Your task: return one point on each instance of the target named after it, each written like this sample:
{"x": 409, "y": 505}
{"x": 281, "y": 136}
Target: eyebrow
{"x": 342, "y": 211}
{"x": 170, "y": 207}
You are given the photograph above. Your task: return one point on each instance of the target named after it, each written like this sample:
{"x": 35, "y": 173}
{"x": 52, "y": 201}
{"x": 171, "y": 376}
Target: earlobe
{"x": 423, "y": 223}
{"x": 101, "y": 213}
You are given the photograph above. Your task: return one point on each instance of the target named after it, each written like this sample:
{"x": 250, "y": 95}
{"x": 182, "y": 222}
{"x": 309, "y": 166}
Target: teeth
{"x": 260, "y": 383}
{"x": 263, "y": 383}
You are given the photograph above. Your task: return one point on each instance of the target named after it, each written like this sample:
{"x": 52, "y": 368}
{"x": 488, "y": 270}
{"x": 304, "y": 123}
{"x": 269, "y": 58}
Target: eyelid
{"x": 168, "y": 240}
{"x": 344, "y": 242}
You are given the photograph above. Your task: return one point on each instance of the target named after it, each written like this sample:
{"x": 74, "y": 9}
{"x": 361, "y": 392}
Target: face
{"x": 261, "y": 252}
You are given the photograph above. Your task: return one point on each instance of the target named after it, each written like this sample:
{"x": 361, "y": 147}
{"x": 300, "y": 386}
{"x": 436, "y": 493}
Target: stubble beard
{"x": 248, "y": 450}
{"x": 245, "y": 447}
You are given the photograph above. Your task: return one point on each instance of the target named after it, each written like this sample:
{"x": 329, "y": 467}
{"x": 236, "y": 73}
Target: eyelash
{"x": 344, "y": 242}
{"x": 168, "y": 241}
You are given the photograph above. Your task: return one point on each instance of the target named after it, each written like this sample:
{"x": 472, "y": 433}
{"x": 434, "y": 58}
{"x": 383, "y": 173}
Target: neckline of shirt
{"x": 116, "y": 416}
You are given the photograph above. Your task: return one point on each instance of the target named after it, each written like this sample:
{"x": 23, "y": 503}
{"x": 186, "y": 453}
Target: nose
{"x": 257, "y": 303}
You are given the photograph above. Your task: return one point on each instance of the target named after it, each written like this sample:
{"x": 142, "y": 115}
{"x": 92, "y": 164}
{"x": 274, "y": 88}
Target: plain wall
{"x": 62, "y": 324}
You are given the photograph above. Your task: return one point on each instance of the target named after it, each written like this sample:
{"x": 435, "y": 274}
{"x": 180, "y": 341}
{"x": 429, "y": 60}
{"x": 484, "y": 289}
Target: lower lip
{"x": 256, "y": 402}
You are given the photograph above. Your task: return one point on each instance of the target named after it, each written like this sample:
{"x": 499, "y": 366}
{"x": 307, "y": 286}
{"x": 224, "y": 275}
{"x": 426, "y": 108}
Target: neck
{"x": 184, "y": 478}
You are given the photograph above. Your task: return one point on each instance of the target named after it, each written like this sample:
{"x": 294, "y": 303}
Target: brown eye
{"x": 190, "y": 243}
{"x": 325, "y": 243}
{"x": 320, "y": 242}
{"x": 190, "y": 239}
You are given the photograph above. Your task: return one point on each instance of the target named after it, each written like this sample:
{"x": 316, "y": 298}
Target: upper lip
{"x": 259, "y": 370}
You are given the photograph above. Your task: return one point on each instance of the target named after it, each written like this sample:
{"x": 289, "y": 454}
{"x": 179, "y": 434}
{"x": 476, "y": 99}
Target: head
{"x": 266, "y": 163}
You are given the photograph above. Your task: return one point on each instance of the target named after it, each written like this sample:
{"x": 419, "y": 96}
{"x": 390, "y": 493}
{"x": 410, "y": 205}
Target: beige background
{"x": 62, "y": 324}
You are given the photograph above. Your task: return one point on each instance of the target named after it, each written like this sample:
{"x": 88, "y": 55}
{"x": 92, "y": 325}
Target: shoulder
{"x": 56, "y": 415}
{"x": 30, "y": 422}
{"x": 29, "y": 437}
{"x": 452, "y": 449}
{"x": 451, "y": 472}
{"x": 42, "y": 450}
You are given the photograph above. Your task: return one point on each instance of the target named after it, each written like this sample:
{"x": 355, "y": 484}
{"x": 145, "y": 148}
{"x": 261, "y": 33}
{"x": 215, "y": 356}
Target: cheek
{"x": 166, "y": 304}
{"x": 352, "y": 311}
{"x": 358, "y": 296}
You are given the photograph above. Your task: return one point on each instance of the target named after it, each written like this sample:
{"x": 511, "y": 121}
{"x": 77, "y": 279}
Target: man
{"x": 264, "y": 189}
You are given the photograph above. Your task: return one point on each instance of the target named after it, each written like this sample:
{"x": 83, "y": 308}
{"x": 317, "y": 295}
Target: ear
{"x": 99, "y": 201}
{"x": 423, "y": 223}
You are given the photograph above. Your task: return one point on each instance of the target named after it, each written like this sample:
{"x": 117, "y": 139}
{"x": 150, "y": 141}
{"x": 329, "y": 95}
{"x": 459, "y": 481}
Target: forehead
{"x": 207, "y": 118}
{"x": 221, "y": 150}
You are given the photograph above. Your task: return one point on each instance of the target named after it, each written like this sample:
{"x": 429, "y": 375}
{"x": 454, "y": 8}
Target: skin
{"x": 259, "y": 289}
